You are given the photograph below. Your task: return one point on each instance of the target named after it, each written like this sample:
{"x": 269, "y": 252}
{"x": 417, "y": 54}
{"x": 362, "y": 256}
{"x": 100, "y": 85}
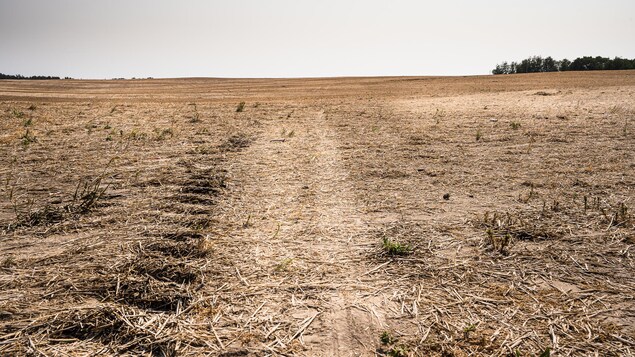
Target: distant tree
{"x": 531, "y": 65}
{"x": 564, "y": 65}
{"x": 549, "y": 65}
{"x": 587, "y": 63}
{"x": 503, "y": 68}
{"x": 620, "y": 63}
{"x": 19, "y": 76}
{"x": 523, "y": 66}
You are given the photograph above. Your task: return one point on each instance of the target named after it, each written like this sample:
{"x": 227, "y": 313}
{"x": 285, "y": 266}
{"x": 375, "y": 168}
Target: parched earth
{"x": 403, "y": 216}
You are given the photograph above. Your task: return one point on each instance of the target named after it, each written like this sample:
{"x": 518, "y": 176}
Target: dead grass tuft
{"x": 86, "y": 197}
{"x": 236, "y": 143}
{"x": 164, "y": 268}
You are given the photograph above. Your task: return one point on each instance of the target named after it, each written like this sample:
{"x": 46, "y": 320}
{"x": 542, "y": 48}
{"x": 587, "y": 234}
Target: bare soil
{"x": 402, "y": 216}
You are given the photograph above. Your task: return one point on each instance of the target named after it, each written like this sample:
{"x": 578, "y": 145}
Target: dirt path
{"x": 306, "y": 237}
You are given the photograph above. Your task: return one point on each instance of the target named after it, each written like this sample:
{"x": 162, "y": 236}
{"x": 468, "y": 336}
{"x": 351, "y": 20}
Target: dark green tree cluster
{"x": 19, "y": 76}
{"x": 536, "y": 64}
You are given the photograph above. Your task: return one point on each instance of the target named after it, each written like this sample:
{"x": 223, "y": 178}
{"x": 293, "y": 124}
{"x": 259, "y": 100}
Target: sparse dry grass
{"x": 148, "y": 224}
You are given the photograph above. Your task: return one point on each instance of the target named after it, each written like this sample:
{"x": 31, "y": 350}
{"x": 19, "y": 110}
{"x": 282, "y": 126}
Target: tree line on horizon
{"x": 536, "y": 64}
{"x": 19, "y": 76}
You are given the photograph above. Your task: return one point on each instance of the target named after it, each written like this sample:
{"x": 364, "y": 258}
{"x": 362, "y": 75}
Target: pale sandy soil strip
{"x": 305, "y": 227}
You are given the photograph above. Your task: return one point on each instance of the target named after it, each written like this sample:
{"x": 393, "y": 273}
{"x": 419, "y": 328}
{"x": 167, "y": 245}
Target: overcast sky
{"x": 301, "y": 38}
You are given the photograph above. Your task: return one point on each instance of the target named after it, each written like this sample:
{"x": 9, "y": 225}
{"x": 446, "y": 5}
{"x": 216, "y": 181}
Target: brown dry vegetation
{"x": 355, "y": 216}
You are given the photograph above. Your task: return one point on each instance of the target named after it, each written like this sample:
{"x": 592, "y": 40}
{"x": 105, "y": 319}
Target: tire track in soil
{"x": 302, "y": 203}
{"x": 349, "y": 330}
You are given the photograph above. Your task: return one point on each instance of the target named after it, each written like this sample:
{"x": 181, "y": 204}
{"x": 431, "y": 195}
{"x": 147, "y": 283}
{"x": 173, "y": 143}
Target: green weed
{"x": 394, "y": 248}
{"x": 386, "y": 338}
{"x": 164, "y": 134}
{"x": 398, "y": 351}
{"x": 17, "y": 113}
{"x": 28, "y": 138}
{"x": 284, "y": 265}
{"x": 195, "y": 116}
{"x": 438, "y": 114}
{"x": 467, "y": 330}
{"x": 499, "y": 243}
{"x": 135, "y": 135}
{"x": 393, "y": 350}
{"x": 247, "y": 223}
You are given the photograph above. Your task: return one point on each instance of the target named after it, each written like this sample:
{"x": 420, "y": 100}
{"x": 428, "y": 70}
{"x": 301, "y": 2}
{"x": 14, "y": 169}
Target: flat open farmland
{"x": 409, "y": 216}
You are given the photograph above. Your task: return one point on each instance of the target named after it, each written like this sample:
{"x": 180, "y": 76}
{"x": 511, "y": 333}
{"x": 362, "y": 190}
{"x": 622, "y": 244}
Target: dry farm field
{"x": 405, "y": 216}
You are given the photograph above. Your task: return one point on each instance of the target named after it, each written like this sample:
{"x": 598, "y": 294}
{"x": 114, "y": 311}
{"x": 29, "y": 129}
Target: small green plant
{"x": 135, "y": 135}
{"x": 619, "y": 217}
{"x": 241, "y": 107}
{"x": 164, "y": 134}
{"x": 90, "y": 127}
{"x": 247, "y": 223}
{"x": 398, "y": 351}
{"x": 386, "y": 338}
{"x": 17, "y": 113}
{"x": 28, "y": 138}
{"x": 284, "y": 265}
{"x": 87, "y": 193}
{"x": 394, "y": 248}
{"x": 479, "y": 135}
{"x": 392, "y": 350}
{"x": 498, "y": 243}
{"x": 514, "y": 125}
{"x": 275, "y": 235}
{"x": 201, "y": 131}
{"x": 195, "y": 116}
{"x": 107, "y": 126}
{"x": 467, "y": 330}
{"x": 291, "y": 134}
{"x": 28, "y": 122}
{"x": 438, "y": 114}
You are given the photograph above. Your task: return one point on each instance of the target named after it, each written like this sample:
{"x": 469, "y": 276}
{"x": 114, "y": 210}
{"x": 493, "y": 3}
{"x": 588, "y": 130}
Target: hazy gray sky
{"x": 298, "y": 38}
